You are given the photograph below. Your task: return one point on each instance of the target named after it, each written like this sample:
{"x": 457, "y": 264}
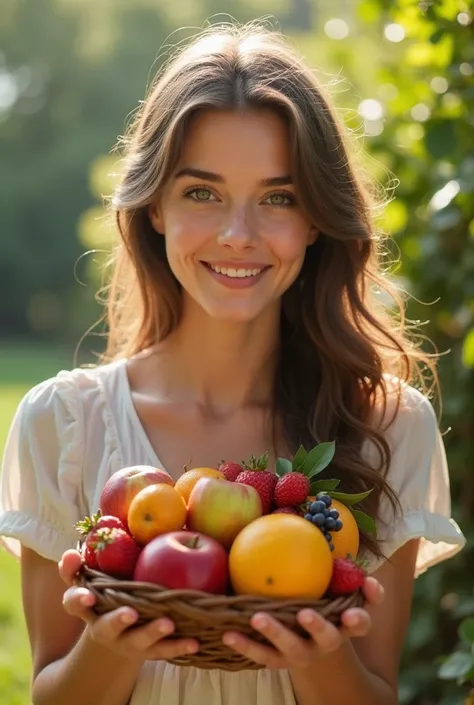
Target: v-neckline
{"x": 135, "y": 419}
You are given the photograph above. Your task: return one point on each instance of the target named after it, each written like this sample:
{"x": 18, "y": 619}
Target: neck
{"x": 220, "y": 365}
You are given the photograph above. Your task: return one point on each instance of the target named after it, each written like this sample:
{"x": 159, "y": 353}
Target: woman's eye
{"x": 201, "y": 194}
{"x": 280, "y": 199}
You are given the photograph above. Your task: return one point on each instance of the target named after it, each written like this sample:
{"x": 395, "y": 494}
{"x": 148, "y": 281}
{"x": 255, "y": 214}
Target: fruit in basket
{"x": 346, "y": 540}
{"x": 256, "y": 475}
{"x": 230, "y": 470}
{"x": 280, "y": 556}
{"x": 184, "y": 560}
{"x": 120, "y": 489}
{"x": 348, "y": 576}
{"x": 87, "y": 528}
{"x": 189, "y": 478}
{"x": 116, "y": 552}
{"x": 99, "y": 521}
{"x": 220, "y": 509}
{"x": 291, "y": 490}
{"x": 286, "y": 510}
{"x": 156, "y": 510}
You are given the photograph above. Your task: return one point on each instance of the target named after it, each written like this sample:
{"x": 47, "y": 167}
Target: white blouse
{"x": 73, "y": 431}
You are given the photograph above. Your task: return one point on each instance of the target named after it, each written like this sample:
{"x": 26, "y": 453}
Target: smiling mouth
{"x": 236, "y": 273}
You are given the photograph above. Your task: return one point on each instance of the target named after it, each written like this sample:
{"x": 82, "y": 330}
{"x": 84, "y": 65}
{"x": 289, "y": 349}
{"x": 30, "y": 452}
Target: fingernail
{"x": 128, "y": 618}
{"x": 229, "y": 640}
{"x": 260, "y": 622}
{"x": 307, "y": 618}
{"x": 86, "y": 601}
{"x": 163, "y": 628}
{"x": 192, "y": 649}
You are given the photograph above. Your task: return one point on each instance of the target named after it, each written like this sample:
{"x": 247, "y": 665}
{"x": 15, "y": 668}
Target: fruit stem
{"x": 194, "y": 541}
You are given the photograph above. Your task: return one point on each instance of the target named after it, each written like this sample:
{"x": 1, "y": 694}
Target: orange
{"x": 188, "y": 479}
{"x": 280, "y": 555}
{"x": 346, "y": 540}
{"x": 155, "y": 510}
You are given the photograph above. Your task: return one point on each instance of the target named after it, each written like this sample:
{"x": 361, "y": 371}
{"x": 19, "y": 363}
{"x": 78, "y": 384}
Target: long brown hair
{"x": 341, "y": 343}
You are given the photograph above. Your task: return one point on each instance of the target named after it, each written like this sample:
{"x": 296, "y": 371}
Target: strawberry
{"x": 97, "y": 521}
{"x": 347, "y": 577}
{"x": 230, "y": 470}
{"x": 89, "y": 556}
{"x": 257, "y": 476}
{"x": 291, "y": 489}
{"x": 285, "y": 510}
{"x": 116, "y": 551}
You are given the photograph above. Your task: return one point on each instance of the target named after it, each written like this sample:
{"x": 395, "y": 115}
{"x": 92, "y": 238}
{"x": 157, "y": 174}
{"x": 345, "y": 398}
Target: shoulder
{"x": 409, "y": 413}
{"x": 69, "y": 396}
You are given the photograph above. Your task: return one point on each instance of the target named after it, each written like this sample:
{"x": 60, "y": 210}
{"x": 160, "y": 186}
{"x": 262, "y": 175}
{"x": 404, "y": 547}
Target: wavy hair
{"x": 340, "y": 340}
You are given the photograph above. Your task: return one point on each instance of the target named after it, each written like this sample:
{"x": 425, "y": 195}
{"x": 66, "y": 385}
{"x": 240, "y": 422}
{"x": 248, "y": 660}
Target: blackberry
{"x": 320, "y": 514}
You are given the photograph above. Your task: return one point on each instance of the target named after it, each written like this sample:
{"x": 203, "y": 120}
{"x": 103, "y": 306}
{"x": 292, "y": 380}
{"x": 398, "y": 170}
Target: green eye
{"x": 201, "y": 194}
{"x": 280, "y": 199}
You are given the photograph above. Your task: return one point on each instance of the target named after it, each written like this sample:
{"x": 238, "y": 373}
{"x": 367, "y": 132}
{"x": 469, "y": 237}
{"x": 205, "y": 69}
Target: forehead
{"x": 252, "y": 138}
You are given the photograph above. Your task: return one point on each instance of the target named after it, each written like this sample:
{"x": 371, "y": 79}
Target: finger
{"x": 264, "y": 655}
{"x": 77, "y": 602}
{"x": 326, "y": 636}
{"x": 373, "y": 591}
{"x": 112, "y": 625}
{"x": 291, "y": 646}
{"x": 356, "y": 622}
{"x": 68, "y": 566}
{"x": 142, "y": 638}
{"x": 171, "y": 648}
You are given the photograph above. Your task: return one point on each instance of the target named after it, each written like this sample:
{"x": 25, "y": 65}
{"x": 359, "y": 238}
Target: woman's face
{"x": 235, "y": 233}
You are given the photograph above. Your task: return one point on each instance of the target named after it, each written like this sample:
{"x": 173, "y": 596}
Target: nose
{"x": 237, "y": 232}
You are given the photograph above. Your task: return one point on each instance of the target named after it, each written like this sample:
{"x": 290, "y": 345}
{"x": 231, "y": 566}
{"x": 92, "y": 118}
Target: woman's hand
{"x": 290, "y": 651}
{"x": 112, "y": 630}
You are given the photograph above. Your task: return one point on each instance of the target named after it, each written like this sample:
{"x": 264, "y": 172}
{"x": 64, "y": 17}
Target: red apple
{"x": 125, "y": 484}
{"x": 221, "y": 509}
{"x": 184, "y": 560}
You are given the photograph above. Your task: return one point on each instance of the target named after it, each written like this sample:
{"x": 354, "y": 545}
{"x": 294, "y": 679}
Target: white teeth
{"x": 240, "y": 273}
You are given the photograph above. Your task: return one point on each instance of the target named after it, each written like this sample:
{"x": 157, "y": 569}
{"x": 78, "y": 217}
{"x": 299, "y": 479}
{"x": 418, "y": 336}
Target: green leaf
{"x": 318, "y": 458}
{"x": 299, "y": 458}
{"x": 350, "y": 499}
{"x": 364, "y": 522}
{"x": 323, "y": 486}
{"x": 456, "y": 666}
{"x": 466, "y": 631}
{"x": 283, "y": 466}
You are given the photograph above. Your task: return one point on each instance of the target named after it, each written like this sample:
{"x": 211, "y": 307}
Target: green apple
{"x": 221, "y": 509}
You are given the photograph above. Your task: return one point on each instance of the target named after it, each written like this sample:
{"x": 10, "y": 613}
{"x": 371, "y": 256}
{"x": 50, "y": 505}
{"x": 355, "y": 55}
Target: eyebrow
{"x": 284, "y": 180}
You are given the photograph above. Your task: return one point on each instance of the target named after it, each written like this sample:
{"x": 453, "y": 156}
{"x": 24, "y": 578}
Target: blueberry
{"x": 328, "y": 537}
{"x": 334, "y": 514}
{"x": 326, "y": 512}
{"x": 317, "y": 507}
{"x": 319, "y": 519}
{"x": 331, "y": 546}
{"x": 338, "y": 525}
{"x": 323, "y": 497}
{"x": 309, "y": 517}
{"x": 330, "y": 524}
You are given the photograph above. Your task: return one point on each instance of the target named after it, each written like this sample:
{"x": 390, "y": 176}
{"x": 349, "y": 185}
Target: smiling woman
{"x": 226, "y": 209}
{"x": 243, "y": 319}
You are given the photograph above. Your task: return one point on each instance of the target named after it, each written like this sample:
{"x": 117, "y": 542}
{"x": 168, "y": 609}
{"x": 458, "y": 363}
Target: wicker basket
{"x": 206, "y": 617}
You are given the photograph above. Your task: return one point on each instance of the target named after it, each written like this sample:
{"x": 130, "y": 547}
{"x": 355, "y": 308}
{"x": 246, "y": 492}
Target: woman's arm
{"x": 364, "y": 671}
{"x": 78, "y": 657}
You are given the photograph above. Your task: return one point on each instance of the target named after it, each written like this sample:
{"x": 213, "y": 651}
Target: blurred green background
{"x": 71, "y": 74}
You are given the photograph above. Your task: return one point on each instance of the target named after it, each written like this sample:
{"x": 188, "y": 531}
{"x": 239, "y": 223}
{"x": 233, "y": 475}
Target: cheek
{"x": 288, "y": 242}
{"x": 184, "y": 235}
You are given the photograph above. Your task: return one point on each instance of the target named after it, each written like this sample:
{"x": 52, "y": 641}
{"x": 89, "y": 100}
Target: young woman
{"x": 244, "y": 316}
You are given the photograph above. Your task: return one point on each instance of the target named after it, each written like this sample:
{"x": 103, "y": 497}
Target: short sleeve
{"x": 40, "y": 484}
{"x": 419, "y": 476}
